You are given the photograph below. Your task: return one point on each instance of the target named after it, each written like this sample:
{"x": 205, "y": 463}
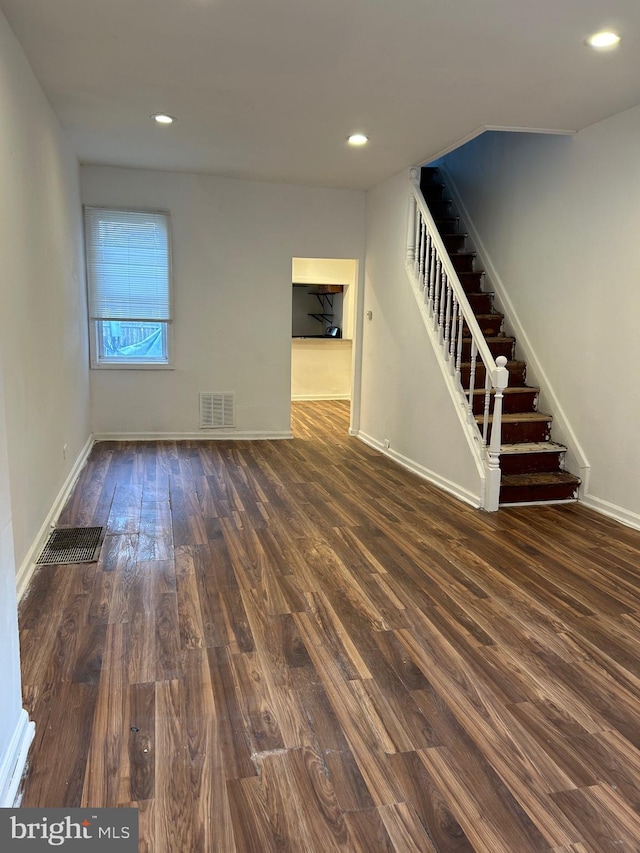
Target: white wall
{"x": 404, "y": 398}
{"x": 559, "y": 219}
{"x": 233, "y": 242}
{"x": 42, "y": 294}
{"x": 321, "y": 369}
{"x": 43, "y": 353}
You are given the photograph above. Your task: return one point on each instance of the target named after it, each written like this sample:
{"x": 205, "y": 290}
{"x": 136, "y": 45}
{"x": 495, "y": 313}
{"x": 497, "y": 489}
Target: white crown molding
{"x": 483, "y": 128}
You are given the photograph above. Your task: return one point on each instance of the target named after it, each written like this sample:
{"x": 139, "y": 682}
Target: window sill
{"x": 113, "y": 365}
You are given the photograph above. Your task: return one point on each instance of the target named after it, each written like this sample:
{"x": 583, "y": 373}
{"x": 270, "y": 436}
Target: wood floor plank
{"x": 250, "y": 817}
{"x": 492, "y": 822}
{"x": 65, "y": 712}
{"x": 126, "y": 507}
{"x": 190, "y": 624}
{"x": 348, "y": 782}
{"x": 140, "y": 778}
{"x": 421, "y": 790}
{"x": 529, "y": 774}
{"x": 236, "y": 750}
{"x": 140, "y": 630}
{"x": 155, "y": 537}
{"x": 175, "y": 825}
{"x": 298, "y": 645}
{"x": 368, "y": 739}
{"x": 604, "y": 821}
{"x": 109, "y": 733}
{"x": 317, "y": 800}
{"x": 256, "y": 705}
{"x": 405, "y": 829}
{"x": 121, "y": 559}
{"x": 368, "y": 832}
{"x": 213, "y": 827}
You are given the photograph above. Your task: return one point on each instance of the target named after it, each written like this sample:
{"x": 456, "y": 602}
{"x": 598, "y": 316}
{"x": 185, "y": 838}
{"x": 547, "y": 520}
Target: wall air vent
{"x": 217, "y": 411}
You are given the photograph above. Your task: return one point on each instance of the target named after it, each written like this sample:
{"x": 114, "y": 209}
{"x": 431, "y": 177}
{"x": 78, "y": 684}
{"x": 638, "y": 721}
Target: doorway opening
{"x": 323, "y": 328}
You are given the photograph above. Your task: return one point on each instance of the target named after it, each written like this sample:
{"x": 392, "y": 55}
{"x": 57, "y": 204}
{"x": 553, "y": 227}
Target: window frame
{"x": 100, "y": 362}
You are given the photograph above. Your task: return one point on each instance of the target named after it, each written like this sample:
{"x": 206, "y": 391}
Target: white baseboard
{"x": 624, "y": 516}
{"x": 24, "y": 573}
{"x": 516, "y": 504}
{"x": 424, "y": 473}
{"x": 14, "y": 762}
{"x": 201, "y": 435}
{"x": 305, "y": 397}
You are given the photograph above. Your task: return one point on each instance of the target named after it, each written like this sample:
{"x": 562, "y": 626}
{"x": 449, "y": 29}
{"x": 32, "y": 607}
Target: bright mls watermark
{"x": 82, "y": 830}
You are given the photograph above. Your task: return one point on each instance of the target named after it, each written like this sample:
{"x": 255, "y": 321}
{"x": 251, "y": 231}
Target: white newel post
{"x": 500, "y": 382}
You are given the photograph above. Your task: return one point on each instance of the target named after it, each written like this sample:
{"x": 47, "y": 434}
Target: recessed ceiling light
{"x": 358, "y": 139}
{"x": 604, "y": 39}
{"x": 162, "y": 118}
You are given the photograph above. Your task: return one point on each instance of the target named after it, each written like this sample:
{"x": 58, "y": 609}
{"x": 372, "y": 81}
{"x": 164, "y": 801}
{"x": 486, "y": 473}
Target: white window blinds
{"x": 128, "y": 265}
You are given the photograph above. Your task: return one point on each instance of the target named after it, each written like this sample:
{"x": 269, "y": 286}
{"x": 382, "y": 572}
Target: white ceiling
{"x": 269, "y": 89}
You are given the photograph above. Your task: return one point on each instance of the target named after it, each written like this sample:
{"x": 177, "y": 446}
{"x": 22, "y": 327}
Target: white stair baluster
{"x": 416, "y": 263}
{"x": 423, "y": 243}
{"x": 459, "y": 352}
{"x": 443, "y": 299}
{"x": 447, "y": 322}
{"x": 427, "y": 268}
{"x": 432, "y": 278}
{"x": 472, "y": 376}
{"x": 436, "y": 288}
{"x": 487, "y": 404}
{"x": 454, "y": 329}
{"x": 411, "y": 232}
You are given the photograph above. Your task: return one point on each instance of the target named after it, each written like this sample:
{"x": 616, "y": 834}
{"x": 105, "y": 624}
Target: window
{"x": 129, "y": 280}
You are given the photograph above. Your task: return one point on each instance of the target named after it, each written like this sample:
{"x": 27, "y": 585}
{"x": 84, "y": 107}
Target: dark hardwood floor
{"x": 298, "y": 646}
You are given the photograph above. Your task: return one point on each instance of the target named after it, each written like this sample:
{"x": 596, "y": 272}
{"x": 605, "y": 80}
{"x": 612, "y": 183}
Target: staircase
{"x": 531, "y": 463}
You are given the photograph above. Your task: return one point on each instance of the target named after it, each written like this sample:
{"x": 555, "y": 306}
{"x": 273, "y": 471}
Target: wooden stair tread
{"x": 519, "y": 417}
{"x": 512, "y": 389}
{"x": 532, "y": 447}
{"x": 492, "y": 338}
{"x": 544, "y": 478}
{"x": 512, "y": 363}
